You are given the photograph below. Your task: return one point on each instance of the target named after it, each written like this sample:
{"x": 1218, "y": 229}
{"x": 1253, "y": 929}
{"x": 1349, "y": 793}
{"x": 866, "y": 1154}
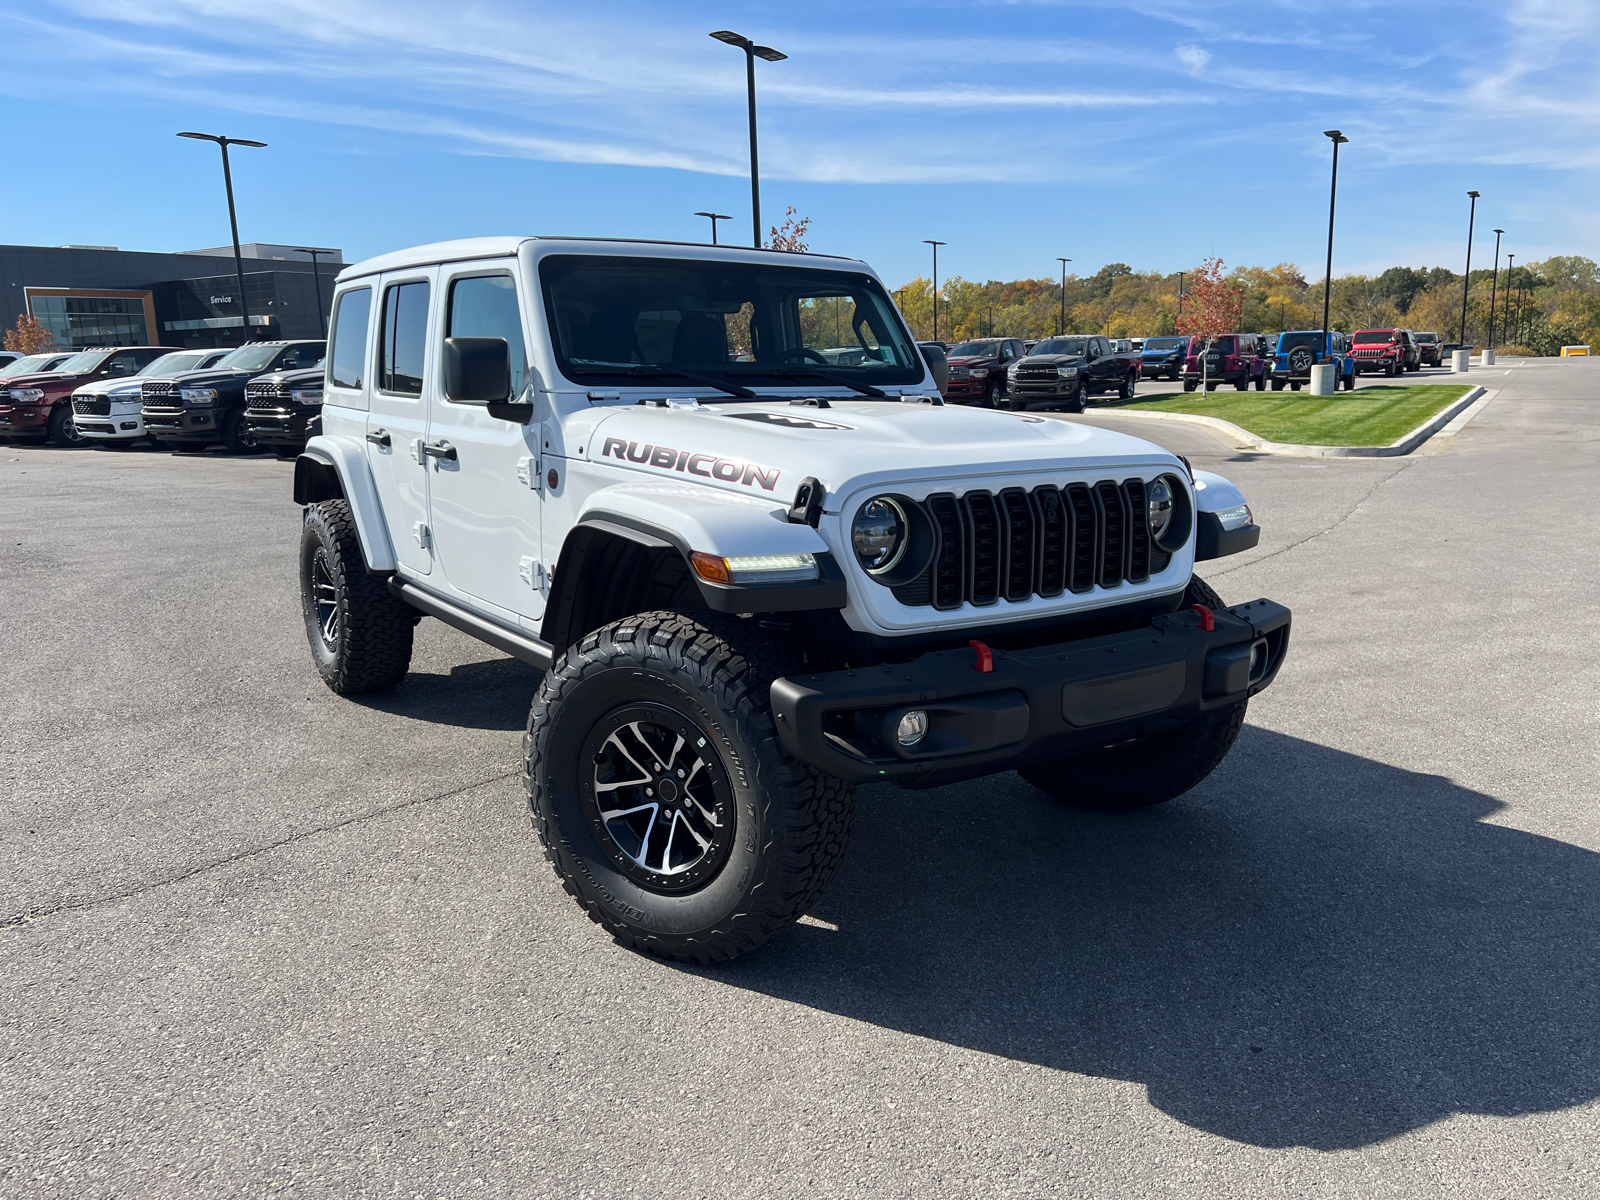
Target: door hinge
{"x": 528, "y": 473}
{"x": 532, "y": 572}
{"x": 416, "y": 450}
{"x": 423, "y": 534}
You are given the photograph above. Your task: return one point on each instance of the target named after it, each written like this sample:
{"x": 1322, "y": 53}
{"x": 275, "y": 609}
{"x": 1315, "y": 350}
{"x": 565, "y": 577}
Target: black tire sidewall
{"x": 315, "y": 537}
{"x": 62, "y": 432}
{"x": 564, "y": 737}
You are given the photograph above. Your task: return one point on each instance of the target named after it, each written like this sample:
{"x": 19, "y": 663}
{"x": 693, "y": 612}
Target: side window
{"x": 350, "y": 338}
{"x": 296, "y": 357}
{"x": 485, "y": 306}
{"x": 403, "y": 340}
{"x": 124, "y": 364}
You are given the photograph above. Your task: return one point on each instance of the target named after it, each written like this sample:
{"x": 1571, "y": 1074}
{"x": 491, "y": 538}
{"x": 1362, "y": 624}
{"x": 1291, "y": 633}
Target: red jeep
{"x": 1234, "y": 358}
{"x": 38, "y": 407}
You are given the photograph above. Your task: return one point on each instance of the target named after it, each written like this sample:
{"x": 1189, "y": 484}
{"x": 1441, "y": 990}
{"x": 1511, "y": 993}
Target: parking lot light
{"x": 1505, "y": 317}
{"x": 316, "y": 284}
{"x": 715, "y": 217}
{"x": 1338, "y": 140}
{"x": 751, "y": 53}
{"x": 1494, "y": 285}
{"x": 935, "y": 245}
{"x": 1064, "y": 262}
{"x": 233, "y": 220}
{"x": 1466, "y": 279}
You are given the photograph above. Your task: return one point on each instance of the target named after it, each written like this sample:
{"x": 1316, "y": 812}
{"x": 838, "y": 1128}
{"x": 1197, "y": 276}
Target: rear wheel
{"x": 1189, "y": 385}
{"x": 1151, "y": 770}
{"x": 64, "y": 431}
{"x": 360, "y": 633}
{"x": 1350, "y": 382}
{"x": 1261, "y": 382}
{"x": 663, "y": 796}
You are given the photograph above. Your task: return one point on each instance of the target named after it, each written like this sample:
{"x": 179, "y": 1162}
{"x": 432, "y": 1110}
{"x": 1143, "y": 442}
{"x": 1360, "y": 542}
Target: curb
{"x": 1245, "y": 440}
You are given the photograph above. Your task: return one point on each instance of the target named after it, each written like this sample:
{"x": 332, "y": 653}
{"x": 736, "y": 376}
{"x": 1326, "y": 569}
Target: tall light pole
{"x": 1505, "y": 317}
{"x": 1494, "y": 285}
{"x": 316, "y": 283}
{"x": 1338, "y": 140}
{"x": 1180, "y": 293}
{"x": 935, "y": 245}
{"x": 715, "y": 217}
{"x": 233, "y": 220}
{"x": 1062, "y": 323}
{"x": 751, "y": 53}
{"x": 1466, "y": 281}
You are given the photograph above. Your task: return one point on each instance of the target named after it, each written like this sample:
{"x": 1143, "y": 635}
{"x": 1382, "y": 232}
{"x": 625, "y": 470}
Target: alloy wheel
{"x": 325, "y": 594}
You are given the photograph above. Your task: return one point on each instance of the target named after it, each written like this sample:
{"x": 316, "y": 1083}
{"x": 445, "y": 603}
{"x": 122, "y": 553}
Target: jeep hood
{"x": 766, "y": 449}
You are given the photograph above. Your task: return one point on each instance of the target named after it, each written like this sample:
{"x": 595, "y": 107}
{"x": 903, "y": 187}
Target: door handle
{"x": 441, "y": 450}
{"x": 381, "y": 438}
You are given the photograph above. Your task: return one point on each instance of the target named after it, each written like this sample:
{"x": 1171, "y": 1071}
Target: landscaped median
{"x": 1370, "y": 416}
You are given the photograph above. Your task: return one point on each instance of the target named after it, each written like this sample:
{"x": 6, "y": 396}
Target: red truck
{"x": 1236, "y": 358}
{"x": 38, "y": 407}
{"x": 978, "y": 369}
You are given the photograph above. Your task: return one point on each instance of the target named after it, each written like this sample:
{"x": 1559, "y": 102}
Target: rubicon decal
{"x": 691, "y": 462}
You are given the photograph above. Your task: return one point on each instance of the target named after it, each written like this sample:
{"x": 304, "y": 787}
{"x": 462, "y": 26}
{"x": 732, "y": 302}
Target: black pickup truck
{"x": 192, "y": 410}
{"x": 1063, "y": 372}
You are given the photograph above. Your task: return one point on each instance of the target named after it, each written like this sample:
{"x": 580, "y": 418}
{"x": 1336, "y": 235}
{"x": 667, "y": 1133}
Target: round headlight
{"x": 1161, "y": 507}
{"x": 878, "y": 534}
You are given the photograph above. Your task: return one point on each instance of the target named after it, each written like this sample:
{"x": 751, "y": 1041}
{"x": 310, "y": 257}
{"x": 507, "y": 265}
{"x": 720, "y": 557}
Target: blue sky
{"x": 1152, "y": 133}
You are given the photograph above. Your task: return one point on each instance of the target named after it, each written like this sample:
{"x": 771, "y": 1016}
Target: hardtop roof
{"x": 467, "y": 249}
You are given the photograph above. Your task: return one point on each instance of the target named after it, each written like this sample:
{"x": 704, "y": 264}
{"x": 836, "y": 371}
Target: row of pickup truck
{"x": 1066, "y": 372}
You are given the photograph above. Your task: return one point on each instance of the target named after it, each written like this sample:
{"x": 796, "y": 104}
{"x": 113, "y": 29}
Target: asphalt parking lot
{"x": 267, "y": 941}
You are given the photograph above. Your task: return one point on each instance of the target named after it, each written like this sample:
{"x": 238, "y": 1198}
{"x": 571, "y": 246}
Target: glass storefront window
{"x": 76, "y": 322}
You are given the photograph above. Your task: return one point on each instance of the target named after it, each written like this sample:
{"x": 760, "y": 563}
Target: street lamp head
{"x": 203, "y": 137}
{"x": 223, "y": 141}
{"x": 1499, "y": 231}
{"x": 931, "y": 242}
{"x": 768, "y": 53}
{"x": 1474, "y": 195}
{"x": 714, "y": 216}
{"x": 732, "y": 38}
{"x": 1339, "y": 138}
{"x": 244, "y": 142}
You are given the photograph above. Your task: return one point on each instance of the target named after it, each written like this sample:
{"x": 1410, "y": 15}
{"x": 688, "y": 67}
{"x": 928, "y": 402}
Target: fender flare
{"x": 335, "y": 468}
{"x": 1213, "y": 494}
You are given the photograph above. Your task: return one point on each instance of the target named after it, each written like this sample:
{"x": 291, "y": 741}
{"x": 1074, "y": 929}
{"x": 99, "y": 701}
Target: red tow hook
{"x": 985, "y": 663}
{"x": 1208, "y": 619}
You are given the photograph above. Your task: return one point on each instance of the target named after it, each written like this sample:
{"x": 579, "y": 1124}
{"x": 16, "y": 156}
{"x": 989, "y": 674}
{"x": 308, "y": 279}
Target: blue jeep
{"x": 1164, "y": 356}
{"x": 1301, "y": 349}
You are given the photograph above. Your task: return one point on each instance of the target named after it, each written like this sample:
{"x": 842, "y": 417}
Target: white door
{"x": 484, "y": 484}
{"x": 397, "y": 416}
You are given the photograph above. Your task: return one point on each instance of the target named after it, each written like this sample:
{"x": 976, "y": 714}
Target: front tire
{"x": 360, "y": 633}
{"x": 1152, "y": 770}
{"x": 63, "y": 431}
{"x": 716, "y": 839}
{"x": 236, "y": 435}
{"x": 1129, "y": 385}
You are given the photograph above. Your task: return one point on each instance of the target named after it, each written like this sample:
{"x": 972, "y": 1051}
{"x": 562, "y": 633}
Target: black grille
{"x": 1038, "y": 374}
{"x": 264, "y": 389}
{"x": 92, "y": 406}
{"x": 1018, "y": 544}
{"x": 157, "y": 389}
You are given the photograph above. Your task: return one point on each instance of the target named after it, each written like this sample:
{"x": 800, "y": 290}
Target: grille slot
{"x": 1017, "y": 544}
{"x": 92, "y": 406}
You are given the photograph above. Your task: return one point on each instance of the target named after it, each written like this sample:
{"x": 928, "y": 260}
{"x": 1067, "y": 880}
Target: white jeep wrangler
{"x": 754, "y": 576}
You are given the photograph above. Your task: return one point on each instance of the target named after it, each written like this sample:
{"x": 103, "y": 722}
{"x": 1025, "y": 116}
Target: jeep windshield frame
{"x": 652, "y": 321}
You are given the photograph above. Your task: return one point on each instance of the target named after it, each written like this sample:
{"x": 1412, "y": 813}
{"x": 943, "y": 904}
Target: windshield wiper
{"x": 866, "y": 389}
{"x": 733, "y": 389}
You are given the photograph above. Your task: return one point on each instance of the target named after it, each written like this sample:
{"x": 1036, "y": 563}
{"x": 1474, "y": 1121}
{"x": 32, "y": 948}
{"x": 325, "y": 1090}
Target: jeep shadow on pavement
{"x": 754, "y": 577}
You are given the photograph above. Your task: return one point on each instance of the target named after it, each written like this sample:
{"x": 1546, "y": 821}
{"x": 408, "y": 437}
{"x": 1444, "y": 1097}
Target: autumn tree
{"x": 29, "y": 337}
{"x": 791, "y": 235}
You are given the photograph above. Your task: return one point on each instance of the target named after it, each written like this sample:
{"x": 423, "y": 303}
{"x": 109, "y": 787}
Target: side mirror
{"x": 938, "y": 366}
{"x": 477, "y": 370}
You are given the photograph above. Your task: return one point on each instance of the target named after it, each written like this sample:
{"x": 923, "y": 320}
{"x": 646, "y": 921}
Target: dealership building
{"x": 102, "y": 296}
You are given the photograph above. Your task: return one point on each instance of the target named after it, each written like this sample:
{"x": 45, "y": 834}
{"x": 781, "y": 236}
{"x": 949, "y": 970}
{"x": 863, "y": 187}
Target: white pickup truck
{"x": 754, "y": 574}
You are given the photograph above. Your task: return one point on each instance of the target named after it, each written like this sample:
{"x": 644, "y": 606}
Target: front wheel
{"x": 1129, "y": 384}
{"x": 236, "y": 435}
{"x": 64, "y": 431}
{"x": 360, "y": 633}
{"x": 1080, "y": 399}
{"x": 663, "y": 796}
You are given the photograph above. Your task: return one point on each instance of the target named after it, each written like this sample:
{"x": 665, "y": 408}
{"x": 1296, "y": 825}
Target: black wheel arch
{"x": 316, "y": 478}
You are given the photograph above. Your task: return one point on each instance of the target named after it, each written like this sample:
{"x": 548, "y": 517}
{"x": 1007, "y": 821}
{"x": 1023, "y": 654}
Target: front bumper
{"x": 280, "y": 426}
{"x": 1042, "y": 389}
{"x": 111, "y": 427}
{"x": 185, "y": 424}
{"x": 1036, "y": 704}
{"x": 968, "y": 387}
{"x": 24, "y": 419}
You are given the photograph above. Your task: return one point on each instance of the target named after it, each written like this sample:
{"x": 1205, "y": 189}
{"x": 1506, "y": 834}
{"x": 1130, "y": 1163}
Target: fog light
{"x": 913, "y": 728}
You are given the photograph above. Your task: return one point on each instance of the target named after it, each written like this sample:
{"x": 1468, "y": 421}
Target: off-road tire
{"x": 1277, "y": 385}
{"x": 1242, "y": 384}
{"x": 63, "y": 432}
{"x": 1261, "y": 383}
{"x": 370, "y": 646}
{"x": 791, "y": 821}
{"x": 1350, "y": 383}
{"x": 1294, "y": 387}
{"x": 1152, "y": 770}
{"x": 236, "y": 435}
{"x": 1189, "y": 385}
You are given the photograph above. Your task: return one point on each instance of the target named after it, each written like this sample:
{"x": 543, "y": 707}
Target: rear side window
{"x": 404, "y": 337}
{"x": 485, "y": 306}
{"x": 296, "y": 357}
{"x": 350, "y": 324}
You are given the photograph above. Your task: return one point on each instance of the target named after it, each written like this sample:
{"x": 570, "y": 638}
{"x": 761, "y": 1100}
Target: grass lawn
{"x": 1369, "y": 416}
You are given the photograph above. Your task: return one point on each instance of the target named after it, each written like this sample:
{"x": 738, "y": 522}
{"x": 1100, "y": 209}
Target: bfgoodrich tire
{"x": 663, "y": 796}
{"x": 360, "y": 634}
{"x": 1152, "y": 770}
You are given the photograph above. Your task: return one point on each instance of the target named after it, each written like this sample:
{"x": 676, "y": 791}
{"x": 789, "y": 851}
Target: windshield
{"x": 629, "y": 320}
{"x": 87, "y": 361}
{"x": 249, "y": 358}
{"x": 26, "y": 366}
{"x": 172, "y": 364}
{"x": 1430, "y": 338}
{"x": 1368, "y": 337}
{"x": 1166, "y": 343}
{"x": 1060, "y": 346}
{"x": 976, "y": 350}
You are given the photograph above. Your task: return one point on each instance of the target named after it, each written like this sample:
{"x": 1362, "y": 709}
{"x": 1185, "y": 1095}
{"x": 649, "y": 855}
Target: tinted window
{"x": 295, "y": 357}
{"x": 486, "y": 307}
{"x": 404, "y": 338}
{"x": 126, "y": 363}
{"x": 350, "y": 338}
